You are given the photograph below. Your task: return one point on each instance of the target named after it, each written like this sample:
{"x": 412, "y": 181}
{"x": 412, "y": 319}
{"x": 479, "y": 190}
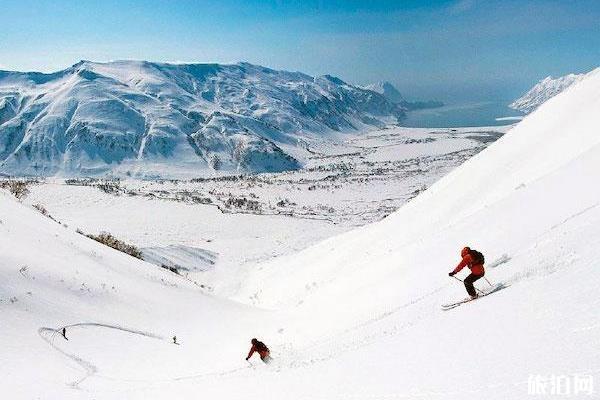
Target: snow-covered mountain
{"x": 544, "y": 90}
{"x": 390, "y": 92}
{"x": 356, "y": 316}
{"x": 130, "y": 117}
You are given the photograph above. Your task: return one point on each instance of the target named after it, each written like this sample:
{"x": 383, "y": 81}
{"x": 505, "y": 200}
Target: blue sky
{"x": 466, "y": 48}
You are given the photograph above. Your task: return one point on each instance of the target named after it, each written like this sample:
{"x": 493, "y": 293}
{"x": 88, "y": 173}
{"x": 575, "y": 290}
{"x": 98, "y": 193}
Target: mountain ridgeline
{"x": 543, "y": 91}
{"x": 390, "y": 92}
{"x": 148, "y": 119}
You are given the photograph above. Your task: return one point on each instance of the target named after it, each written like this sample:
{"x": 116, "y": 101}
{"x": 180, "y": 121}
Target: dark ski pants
{"x": 469, "y": 280}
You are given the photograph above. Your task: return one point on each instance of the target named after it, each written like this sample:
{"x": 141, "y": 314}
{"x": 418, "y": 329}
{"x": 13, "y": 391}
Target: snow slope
{"x": 147, "y": 119}
{"x": 544, "y": 90}
{"x": 119, "y": 312}
{"x": 528, "y": 202}
{"x": 522, "y": 164}
{"x": 356, "y": 316}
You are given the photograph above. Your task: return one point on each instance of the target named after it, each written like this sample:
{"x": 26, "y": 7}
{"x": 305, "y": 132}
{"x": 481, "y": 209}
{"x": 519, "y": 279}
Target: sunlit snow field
{"x": 213, "y": 229}
{"x": 351, "y": 307}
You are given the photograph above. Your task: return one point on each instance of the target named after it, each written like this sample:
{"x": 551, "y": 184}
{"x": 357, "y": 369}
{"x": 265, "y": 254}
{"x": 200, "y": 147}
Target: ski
{"x": 450, "y": 306}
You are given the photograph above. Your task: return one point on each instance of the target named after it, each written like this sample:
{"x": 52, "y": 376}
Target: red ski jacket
{"x": 467, "y": 261}
{"x": 262, "y": 352}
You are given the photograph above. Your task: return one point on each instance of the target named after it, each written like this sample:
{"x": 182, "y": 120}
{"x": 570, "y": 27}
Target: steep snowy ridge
{"x": 142, "y": 118}
{"x": 544, "y": 90}
{"x": 528, "y": 158}
{"x": 356, "y": 316}
{"x": 529, "y": 204}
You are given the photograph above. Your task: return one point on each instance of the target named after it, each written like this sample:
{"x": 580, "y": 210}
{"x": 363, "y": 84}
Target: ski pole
{"x": 460, "y": 280}
{"x": 486, "y": 279}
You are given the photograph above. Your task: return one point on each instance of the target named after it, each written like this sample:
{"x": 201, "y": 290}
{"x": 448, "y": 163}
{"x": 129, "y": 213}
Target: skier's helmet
{"x": 254, "y": 341}
{"x": 465, "y": 251}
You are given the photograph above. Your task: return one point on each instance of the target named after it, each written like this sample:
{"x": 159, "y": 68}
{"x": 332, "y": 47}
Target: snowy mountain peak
{"x": 388, "y": 90}
{"x": 148, "y": 119}
{"x": 544, "y": 90}
{"x": 392, "y": 94}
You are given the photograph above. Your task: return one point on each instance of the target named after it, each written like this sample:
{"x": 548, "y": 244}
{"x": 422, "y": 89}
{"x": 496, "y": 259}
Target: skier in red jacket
{"x": 261, "y": 349}
{"x": 476, "y": 267}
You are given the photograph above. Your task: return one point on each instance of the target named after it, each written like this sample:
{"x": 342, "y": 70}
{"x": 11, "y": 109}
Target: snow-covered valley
{"x": 355, "y": 313}
{"x": 220, "y": 226}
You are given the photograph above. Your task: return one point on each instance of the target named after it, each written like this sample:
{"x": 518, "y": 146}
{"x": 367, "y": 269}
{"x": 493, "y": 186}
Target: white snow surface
{"x": 544, "y": 90}
{"x": 143, "y": 119}
{"x": 218, "y": 226}
{"x": 357, "y": 316}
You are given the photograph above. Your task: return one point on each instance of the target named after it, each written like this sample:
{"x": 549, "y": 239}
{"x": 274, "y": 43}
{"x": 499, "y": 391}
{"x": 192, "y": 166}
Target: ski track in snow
{"x": 333, "y": 345}
{"x": 499, "y": 261}
{"x": 367, "y": 332}
{"x": 333, "y": 349}
{"x": 89, "y": 368}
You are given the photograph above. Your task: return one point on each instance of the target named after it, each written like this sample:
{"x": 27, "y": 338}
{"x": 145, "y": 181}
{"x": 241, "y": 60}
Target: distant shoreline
{"x": 474, "y": 114}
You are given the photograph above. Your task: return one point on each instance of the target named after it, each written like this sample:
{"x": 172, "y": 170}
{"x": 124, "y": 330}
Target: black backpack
{"x": 477, "y": 257}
